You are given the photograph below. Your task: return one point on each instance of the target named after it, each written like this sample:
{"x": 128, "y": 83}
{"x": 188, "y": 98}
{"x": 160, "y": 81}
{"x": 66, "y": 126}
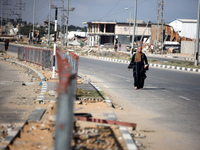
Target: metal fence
{"x": 43, "y": 57}
{"x": 39, "y": 56}
{"x": 66, "y": 66}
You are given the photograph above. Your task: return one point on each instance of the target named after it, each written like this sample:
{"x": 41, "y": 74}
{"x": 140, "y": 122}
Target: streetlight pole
{"x": 49, "y": 21}
{"x": 197, "y": 36}
{"x": 135, "y": 15}
{"x": 129, "y": 22}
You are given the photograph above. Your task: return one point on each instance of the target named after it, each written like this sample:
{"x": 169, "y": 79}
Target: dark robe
{"x": 6, "y": 44}
{"x": 139, "y": 72}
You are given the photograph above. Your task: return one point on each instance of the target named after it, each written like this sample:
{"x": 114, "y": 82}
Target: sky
{"x": 108, "y": 10}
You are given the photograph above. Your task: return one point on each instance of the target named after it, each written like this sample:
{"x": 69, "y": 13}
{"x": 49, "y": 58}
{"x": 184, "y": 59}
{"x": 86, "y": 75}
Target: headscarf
{"x": 138, "y": 57}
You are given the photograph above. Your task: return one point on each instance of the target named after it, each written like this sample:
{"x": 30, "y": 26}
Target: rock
{"x": 52, "y": 118}
{"x": 138, "y": 143}
{"x": 120, "y": 108}
{"x": 52, "y": 93}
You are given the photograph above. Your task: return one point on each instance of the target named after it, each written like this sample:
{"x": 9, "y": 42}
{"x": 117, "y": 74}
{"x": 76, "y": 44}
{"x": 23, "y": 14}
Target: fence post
{"x": 65, "y": 117}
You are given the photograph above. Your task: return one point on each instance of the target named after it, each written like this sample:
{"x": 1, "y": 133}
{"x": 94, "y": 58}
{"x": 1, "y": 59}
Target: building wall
{"x": 154, "y": 32}
{"x": 124, "y": 30}
{"x": 189, "y": 30}
{"x": 102, "y": 32}
{"x": 185, "y": 29}
{"x": 177, "y": 25}
{"x": 188, "y": 47}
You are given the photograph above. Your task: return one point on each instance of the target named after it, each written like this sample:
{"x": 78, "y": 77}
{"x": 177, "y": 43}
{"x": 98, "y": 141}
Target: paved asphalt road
{"x": 11, "y": 48}
{"x": 173, "y": 95}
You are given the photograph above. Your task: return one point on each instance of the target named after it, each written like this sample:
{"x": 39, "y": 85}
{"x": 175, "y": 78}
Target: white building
{"x": 185, "y": 27}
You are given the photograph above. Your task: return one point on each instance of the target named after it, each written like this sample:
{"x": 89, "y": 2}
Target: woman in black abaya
{"x": 139, "y": 64}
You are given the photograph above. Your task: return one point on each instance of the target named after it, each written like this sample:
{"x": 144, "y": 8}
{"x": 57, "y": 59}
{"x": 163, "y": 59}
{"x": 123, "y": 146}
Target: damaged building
{"x": 101, "y": 33}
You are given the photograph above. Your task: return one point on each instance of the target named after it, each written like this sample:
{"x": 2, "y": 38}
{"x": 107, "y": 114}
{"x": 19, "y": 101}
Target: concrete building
{"x": 100, "y": 33}
{"x": 185, "y": 27}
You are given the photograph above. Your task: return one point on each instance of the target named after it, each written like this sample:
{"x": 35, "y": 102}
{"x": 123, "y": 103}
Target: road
{"x": 12, "y": 47}
{"x": 172, "y": 96}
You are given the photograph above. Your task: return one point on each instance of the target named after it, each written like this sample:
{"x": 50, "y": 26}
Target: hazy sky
{"x": 109, "y": 10}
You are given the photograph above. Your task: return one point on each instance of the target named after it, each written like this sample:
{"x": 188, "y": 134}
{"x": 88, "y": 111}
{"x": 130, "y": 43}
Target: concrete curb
{"x": 153, "y": 65}
{"x": 11, "y": 136}
{"x": 130, "y": 144}
{"x": 107, "y": 100}
{"x": 111, "y": 116}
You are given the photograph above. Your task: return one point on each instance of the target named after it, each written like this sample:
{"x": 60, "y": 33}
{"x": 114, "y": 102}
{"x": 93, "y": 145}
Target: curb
{"x": 153, "y": 65}
{"x": 108, "y": 101}
{"x": 111, "y": 116}
{"x": 11, "y": 136}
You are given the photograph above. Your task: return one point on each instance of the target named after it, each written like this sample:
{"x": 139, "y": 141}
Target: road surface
{"x": 170, "y": 98}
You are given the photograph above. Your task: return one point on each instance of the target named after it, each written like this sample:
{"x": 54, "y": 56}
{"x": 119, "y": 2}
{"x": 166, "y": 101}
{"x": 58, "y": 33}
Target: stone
{"x": 52, "y": 93}
{"x": 52, "y": 118}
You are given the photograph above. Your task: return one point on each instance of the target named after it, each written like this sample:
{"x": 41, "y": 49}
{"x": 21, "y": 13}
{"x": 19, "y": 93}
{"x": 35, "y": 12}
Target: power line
{"x": 111, "y": 9}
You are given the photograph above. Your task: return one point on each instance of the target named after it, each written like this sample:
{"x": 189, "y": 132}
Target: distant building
{"x": 185, "y": 27}
{"x": 100, "y": 33}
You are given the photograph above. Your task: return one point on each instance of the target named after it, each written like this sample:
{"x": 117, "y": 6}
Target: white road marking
{"x": 107, "y": 86}
{"x": 121, "y": 77}
{"x": 185, "y": 98}
{"x": 167, "y": 91}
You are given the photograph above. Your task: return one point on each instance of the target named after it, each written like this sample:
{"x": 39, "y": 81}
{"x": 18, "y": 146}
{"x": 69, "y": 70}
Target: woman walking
{"x": 139, "y": 64}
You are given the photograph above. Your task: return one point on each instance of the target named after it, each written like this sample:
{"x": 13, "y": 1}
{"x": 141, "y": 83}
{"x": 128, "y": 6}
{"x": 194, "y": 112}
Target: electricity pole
{"x": 33, "y": 19}
{"x": 159, "y": 27}
{"x": 66, "y": 40}
{"x": 197, "y": 37}
{"x": 1, "y": 15}
{"x": 135, "y": 16}
{"x": 63, "y": 22}
{"x": 54, "y": 46}
{"x": 20, "y": 6}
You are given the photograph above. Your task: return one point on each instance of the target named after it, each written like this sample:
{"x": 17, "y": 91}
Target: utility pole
{"x": 129, "y": 20}
{"x": 54, "y": 46}
{"x": 197, "y": 37}
{"x": 66, "y": 40}
{"x": 20, "y": 6}
{"x": 33, "y": 20}
{"x": 1, "y": 15}
{"x": 5, "y": 12}
{"x": 159, "y": 27}
{"x": 49, "y": 24}
{"x": 135, "y": 16}
{"x": 63, "y": 21}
